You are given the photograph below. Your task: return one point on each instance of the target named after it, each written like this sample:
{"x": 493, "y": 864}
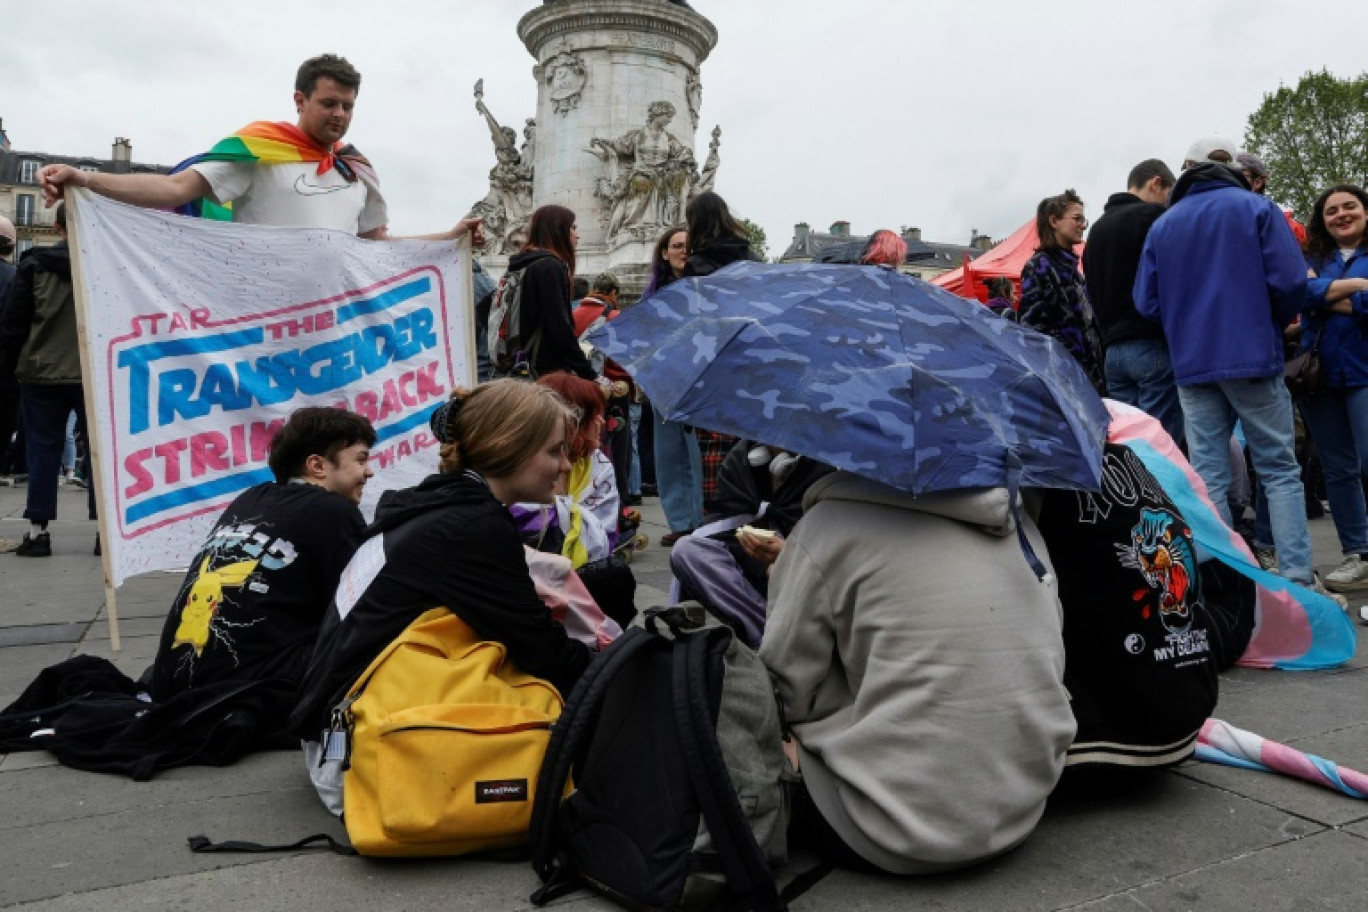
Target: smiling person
{"x": 297, "y": 175}
{"x": 1054, "y": 299}
{"x": 451, "y": 542}
{"x": 251, "y": 604}
{"x": 1332, "y": 322}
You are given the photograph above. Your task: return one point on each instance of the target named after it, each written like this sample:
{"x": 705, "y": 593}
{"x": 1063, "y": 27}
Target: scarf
{"x": 266, "y": 142}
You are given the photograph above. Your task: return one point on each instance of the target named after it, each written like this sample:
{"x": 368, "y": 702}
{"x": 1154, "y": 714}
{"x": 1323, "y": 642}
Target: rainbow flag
{"x": 272, "y": 143}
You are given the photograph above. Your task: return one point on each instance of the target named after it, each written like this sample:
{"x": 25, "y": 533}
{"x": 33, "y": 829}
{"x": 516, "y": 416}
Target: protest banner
{"x": 200, "y": 338}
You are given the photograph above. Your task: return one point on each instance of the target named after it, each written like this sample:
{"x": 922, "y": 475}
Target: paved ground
{"x": 1203, "y": 837}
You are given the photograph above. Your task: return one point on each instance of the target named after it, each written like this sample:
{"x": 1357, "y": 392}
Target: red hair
{"x": 884, "y": 249}
{"x": 549, "y": 230}
{"x": 585, "y": 397}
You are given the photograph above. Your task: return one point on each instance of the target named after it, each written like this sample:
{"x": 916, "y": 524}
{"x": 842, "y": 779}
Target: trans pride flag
{"x": 273, "y": 143}
{"x": 1295, "y": 628}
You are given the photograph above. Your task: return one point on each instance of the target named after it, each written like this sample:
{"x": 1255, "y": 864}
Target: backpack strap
{"x": 201, "y": 844}
{"x": 566, "y": 748}
{"x": 742, "y": 860}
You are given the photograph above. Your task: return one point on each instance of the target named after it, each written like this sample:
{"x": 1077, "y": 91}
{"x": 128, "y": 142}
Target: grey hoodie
{"x": 920, "y": 664}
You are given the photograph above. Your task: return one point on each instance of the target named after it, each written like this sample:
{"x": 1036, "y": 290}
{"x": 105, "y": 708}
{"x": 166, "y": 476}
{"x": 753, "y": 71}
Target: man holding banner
{"x": 271, "y": 173}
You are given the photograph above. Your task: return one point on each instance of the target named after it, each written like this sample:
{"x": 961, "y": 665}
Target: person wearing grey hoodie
{"x": 920, "y": 664}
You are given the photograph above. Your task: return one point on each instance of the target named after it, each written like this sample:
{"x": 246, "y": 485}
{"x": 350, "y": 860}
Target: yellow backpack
{"x": 446, "y": 739}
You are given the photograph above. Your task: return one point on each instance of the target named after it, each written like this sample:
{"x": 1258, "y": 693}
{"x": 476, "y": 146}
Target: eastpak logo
{"x": 500, "y": 790}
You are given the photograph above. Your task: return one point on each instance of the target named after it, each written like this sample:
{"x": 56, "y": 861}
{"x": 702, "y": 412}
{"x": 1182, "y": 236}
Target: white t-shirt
{"x": 295, "y": 196}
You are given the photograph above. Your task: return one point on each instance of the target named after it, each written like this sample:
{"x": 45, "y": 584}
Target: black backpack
{"x": 673, "y": 736}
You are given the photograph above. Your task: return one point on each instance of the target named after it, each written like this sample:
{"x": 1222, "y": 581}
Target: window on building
{"x": 24, "y": 209}
{"x": 24, "y": 246}
{"x": 28, "y": 171}
{"x": 89, "y": 168}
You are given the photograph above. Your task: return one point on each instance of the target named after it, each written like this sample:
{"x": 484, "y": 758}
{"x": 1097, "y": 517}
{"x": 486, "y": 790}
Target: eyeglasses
{"x": 1082, "y": 220}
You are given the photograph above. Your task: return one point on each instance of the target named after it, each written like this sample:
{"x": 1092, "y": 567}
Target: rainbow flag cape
{"x": 1221, "y": 742}
{"x": 273, "y": 143}
{"x": 1295, "y": 628}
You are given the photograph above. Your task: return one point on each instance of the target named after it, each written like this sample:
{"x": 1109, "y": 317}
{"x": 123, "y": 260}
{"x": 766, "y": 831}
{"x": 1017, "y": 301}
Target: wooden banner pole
{"x": 91, "y": 403}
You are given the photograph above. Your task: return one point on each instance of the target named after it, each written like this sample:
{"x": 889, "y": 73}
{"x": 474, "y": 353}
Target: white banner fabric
{"x": 204, "y": 336}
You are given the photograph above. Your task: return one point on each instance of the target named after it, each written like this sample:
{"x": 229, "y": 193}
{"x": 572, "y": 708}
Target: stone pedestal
{"x": 601, "y": 64}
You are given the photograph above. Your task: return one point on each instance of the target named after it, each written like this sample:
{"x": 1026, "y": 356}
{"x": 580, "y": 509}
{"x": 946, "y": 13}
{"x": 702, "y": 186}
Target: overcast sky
{"x": 950, "y": 116}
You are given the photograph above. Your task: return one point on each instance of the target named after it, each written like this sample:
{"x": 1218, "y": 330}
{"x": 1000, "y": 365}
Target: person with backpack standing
{"x": 537, "y": 328}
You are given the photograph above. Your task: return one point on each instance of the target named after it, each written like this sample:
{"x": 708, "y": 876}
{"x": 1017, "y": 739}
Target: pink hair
{"x": 884, "y": 249}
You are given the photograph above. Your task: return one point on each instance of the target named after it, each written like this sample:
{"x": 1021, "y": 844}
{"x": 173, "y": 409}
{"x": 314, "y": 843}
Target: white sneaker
{"x": 1317, "y": 586}
{"x": 1351, "y": 574}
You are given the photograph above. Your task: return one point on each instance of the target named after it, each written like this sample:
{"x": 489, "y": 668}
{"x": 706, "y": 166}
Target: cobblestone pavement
{"x": 1202, "y": 837}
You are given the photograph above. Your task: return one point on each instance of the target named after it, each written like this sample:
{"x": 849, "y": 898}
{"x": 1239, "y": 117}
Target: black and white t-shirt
{"x": 252, "y": 601}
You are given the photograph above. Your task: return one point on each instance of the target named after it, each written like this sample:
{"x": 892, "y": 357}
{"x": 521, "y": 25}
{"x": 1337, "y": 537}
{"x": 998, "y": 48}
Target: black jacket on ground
{"x": 271, "y": 565}
{"x": 722, "y": 252}
{"x": 1110, "y": 261}
{"x": 546, "y": 303}
{"x": 446, "y": 543}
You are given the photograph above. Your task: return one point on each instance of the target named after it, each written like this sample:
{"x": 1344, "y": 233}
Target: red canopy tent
{"x": 1005, "y": 260}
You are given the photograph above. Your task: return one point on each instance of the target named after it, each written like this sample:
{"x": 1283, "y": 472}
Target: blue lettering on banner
{"x": 187, "y": 393}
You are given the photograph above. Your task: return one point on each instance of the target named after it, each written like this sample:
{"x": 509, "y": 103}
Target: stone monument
{"x": 619, "y": 93}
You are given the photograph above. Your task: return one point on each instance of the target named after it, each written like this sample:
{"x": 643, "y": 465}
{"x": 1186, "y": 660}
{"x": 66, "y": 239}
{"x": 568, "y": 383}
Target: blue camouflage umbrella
{"x": 867, "y": 370}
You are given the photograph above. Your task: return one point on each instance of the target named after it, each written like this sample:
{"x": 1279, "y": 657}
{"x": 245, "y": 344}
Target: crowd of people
{"x": 937, "y": 688}
{"x": 1193, "y": 294}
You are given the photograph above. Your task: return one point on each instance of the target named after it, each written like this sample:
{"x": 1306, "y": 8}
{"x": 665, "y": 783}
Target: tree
{"x": 756, "y": 235}
{"x": 1311, "y": 137}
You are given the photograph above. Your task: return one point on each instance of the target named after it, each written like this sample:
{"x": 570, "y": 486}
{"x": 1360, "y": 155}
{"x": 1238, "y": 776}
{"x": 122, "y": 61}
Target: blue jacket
{"x": 1223, "y": 273}
{"x": 1343, "y": 348}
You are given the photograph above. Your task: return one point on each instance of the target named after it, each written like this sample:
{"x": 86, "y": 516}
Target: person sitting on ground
{"x": 725, "y": 566}
{"x": 256, "y": 592}
{"x": 1148, "y": 624}
{"x": 450, "y": 542}
{"x": 919, "y": 661}
{"x": 240, "y": 632}
{"x": 582, "y": 524}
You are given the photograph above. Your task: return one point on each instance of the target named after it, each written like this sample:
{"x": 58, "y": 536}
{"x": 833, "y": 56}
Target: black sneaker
{"x": 35, "y": 547}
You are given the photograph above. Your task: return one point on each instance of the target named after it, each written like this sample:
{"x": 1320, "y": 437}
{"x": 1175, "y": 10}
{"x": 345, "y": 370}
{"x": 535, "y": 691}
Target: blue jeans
{"x": 1338, "y": 422}
{"x": 1264, "y": 408}
{"x": 679, "y": 475}
{"x": 45, "y": 409}
{"x": 1140, "y": 373}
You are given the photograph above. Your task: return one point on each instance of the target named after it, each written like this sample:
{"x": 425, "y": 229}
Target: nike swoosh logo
{"x": 304, "y": 188}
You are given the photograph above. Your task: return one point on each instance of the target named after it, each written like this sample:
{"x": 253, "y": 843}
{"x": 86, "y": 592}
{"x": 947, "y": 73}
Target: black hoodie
{"x": 546, "y": 303}
{"x": 446, "y": 543}
{"x": 722, "y": 252}
{"x": 1110, "y": 262}
{"x": 38, "y": 341}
